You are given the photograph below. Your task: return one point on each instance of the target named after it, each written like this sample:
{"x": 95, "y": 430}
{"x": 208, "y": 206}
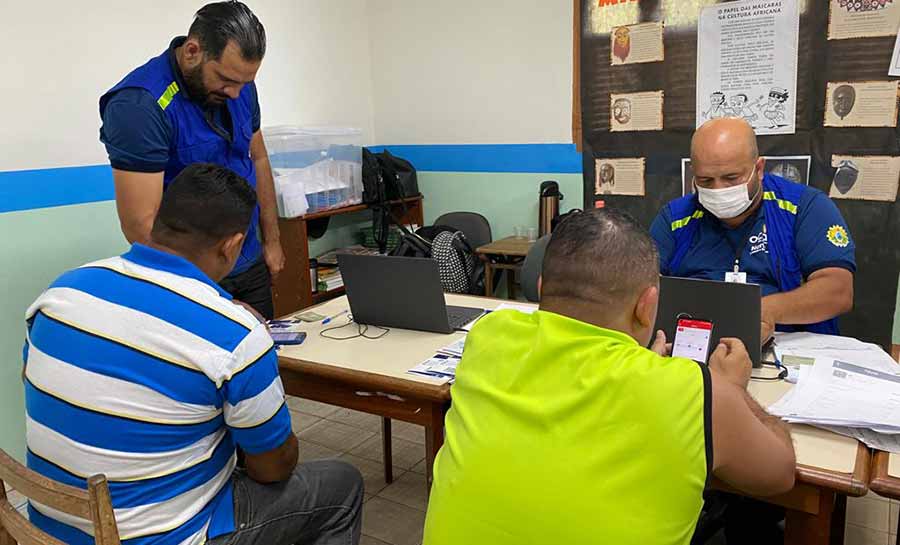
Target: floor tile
{"x": 334, "y": 435}
{"x": 311, "y": 451}
{"x": 411, "y": 432}
{"x": 369, "y": 540}
{"x": 372, "y": 472}
{"x": 892, "y": 539}
{"x": 872, "y": 514}
{"x": 857, "y": 535}
{"x": 393, "y": 523}
{"x": 357, "y": 419}
{"x": 405, "y": 453}
{"x": 15, "y": 498}
{"x": 420, "y": 468}
{"x": 410, "y": 490}
{"x": 302, "y": 422}
{"x": 309, "y": 406}
{"x": 892, "y": 522}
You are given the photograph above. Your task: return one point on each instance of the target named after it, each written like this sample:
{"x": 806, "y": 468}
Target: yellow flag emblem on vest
{"x": 837, "y": 235}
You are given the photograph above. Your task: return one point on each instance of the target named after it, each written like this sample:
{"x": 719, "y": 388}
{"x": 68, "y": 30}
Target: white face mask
{"x": 728, "y": 202}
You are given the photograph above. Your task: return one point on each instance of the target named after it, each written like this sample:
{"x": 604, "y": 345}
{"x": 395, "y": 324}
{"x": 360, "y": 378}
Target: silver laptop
{"x": 402, "y": 292}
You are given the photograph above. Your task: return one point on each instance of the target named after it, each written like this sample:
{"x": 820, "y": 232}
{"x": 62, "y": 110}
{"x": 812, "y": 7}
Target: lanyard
{"x": 739, "y": 249}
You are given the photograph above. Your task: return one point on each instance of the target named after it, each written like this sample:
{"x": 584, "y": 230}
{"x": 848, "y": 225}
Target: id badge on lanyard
{"x": 736, "y": 276}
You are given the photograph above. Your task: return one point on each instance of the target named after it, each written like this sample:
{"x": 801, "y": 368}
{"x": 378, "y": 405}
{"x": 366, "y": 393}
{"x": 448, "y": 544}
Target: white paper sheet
{"x": 844, "y": 394}
{"x": 747, "y": 63}
{"x": 440, "y": 366}
{"x": 894, "y": 70}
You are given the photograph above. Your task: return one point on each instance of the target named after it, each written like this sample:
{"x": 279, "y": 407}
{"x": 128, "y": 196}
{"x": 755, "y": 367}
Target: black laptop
{"x": 402, "y": 292}
{"x": 734, "y": 309}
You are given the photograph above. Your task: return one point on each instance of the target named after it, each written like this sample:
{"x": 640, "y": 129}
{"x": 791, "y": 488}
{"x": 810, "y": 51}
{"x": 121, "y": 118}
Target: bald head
{"x": 724, "y": 139}
{"x": 724, "y": 153}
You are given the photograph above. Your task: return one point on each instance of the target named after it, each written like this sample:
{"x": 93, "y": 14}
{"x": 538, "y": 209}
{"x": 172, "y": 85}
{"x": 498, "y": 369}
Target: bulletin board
{"x": 874, "y": 225}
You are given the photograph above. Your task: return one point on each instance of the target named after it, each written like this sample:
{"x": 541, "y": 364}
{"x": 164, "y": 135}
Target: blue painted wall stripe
{"x": 30, "y": 189}
{"x": 43, "y": 188}
{"x": 535, "y": 158}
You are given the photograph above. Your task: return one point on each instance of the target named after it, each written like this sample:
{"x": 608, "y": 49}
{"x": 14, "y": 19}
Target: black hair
{"x": 599, "y": 255}
{"x": 202, "y": 205}
{"x": 220, "y": 22}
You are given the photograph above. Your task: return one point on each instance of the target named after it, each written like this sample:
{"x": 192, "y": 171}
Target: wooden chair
{"x": 93, "y": 504}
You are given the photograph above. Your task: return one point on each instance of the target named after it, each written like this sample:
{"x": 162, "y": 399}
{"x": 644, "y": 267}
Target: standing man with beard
{"x": 196, "y": 102}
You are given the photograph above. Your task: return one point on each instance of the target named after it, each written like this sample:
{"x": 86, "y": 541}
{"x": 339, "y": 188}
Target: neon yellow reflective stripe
{"x": 166, "y": 97}
{"x": 783, "y": 204}
{"x": 678, "y": 224}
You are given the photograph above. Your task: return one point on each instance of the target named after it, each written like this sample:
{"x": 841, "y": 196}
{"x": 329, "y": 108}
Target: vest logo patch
{"x": 759, "y": 242}
{"x": 837, "y": 235}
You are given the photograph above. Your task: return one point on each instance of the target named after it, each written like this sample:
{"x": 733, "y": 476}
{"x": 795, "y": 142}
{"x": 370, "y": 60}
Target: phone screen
{"x": 288, "y": 337}
{"x": 692, "y": 338}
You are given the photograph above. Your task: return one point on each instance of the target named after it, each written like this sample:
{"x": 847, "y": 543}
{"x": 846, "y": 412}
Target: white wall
{"x": 61, "y": 56}
{"x": 472, "y": 71}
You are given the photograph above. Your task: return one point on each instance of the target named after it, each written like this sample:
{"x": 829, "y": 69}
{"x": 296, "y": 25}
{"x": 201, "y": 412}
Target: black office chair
{"x": 531, "y": 269}
{"x": 475, "y": 226}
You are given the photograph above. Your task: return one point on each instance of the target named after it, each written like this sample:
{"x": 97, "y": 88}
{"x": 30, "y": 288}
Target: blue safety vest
{"x": 781, "y": 199}
{"x": 194, "y": 140}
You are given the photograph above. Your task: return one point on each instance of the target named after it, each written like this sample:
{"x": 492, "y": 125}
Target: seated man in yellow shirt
{"x": 565, "y": 429}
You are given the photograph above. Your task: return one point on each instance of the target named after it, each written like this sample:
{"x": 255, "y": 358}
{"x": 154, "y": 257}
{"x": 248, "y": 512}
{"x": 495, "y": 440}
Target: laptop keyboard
{"x": 460, "y": 316}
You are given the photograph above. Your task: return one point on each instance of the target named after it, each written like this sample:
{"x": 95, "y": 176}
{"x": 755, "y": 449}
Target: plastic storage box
{"x": 315, "y": 168}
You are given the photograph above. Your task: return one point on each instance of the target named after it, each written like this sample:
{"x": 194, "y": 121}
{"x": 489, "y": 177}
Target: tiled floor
{"x": 395, "y": 514}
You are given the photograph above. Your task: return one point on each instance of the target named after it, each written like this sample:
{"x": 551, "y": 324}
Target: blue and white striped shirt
{"x": 141, "y": 368}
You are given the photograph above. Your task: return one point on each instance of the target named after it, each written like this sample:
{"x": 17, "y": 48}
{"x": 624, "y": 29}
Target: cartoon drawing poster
{"x": 747, "y": 63}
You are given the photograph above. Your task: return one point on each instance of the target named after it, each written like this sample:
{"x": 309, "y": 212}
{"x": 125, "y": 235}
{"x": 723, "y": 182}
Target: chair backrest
{"x": 475, "y": 226}
{"x": 93, "y": 504}
{"x": 531, "y": 269}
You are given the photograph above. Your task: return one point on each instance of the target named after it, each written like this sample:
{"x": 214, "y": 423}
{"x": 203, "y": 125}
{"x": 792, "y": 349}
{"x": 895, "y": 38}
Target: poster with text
{"x": 747, "y": 63}
{"x": 861, "y": 104}
{"x": 619, "y": 176}
{"x": 634, "y": 44}
{"x": 862, "y": 18}
{"x": 869, "y": 178}
{"x": 636, "y": 111}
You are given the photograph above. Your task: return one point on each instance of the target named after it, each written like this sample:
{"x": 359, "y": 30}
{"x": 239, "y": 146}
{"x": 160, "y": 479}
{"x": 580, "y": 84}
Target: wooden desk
{"x": 829, "y": 468}
{"x": 371, "y": 376}
{"x": 504, "y": 254}
{"x": 886, "y": 476}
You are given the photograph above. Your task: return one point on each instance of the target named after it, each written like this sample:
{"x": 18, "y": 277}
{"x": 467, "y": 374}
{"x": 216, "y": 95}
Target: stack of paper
{"x": 441, "y": 366}
{"x": 852, "y": 388}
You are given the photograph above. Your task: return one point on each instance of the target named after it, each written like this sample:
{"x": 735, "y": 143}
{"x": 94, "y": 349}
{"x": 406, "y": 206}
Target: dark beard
{"x": 193, "y": 80}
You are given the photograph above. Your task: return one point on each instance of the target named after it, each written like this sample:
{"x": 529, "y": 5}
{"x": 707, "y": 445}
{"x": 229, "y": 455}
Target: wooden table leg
{"x": 511, "y": 284}
{"x": 839, "y": 520}
{"x": 387, "y": 450}
{"x": 488, "y": 277}
{"x": 805, "y": 529}
{"x": 434, "y": 439}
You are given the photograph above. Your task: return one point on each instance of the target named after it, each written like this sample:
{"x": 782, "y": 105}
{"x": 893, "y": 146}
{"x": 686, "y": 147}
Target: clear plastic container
{"x": 323, "y": 163}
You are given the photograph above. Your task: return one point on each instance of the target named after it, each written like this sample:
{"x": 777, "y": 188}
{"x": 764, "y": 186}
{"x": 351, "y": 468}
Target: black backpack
{"x": 460, "y": 269}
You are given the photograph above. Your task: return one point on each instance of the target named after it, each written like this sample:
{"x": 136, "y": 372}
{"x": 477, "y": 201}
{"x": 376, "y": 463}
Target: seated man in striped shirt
{"x": 140, "y": 367}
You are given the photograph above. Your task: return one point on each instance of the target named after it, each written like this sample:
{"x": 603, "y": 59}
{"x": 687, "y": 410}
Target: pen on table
{"x": 330, "y": 318}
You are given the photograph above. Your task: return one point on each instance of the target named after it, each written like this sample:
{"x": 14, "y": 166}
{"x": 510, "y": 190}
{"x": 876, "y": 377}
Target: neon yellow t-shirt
{"x": 561, "y": 432}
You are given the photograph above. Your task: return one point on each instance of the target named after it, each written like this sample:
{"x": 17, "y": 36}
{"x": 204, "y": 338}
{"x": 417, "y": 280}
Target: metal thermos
{"x": 549, "y": 206}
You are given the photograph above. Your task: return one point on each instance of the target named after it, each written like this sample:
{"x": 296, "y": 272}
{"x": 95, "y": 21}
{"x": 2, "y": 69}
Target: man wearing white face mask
{"x": 744, "y": 225}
